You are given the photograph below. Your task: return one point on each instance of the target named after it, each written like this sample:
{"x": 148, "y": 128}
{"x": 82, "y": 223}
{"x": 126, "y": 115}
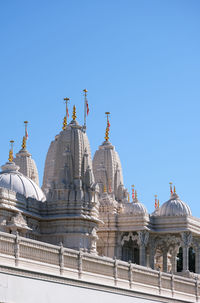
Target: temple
{"x": 84, "y": 206}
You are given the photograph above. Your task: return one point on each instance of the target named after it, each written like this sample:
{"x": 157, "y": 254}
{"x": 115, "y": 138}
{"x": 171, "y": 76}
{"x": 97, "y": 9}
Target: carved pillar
{"x": 173, "y": 260}
{"x": 197, "y": 258}
{"x": 143, "y": 237}
{"x": 165, "y": 260}
{"x": 152, "y": 252}
{"x": 186, "y": 241}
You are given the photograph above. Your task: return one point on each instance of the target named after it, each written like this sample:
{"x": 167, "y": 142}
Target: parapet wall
{"x": 55, "y": 261}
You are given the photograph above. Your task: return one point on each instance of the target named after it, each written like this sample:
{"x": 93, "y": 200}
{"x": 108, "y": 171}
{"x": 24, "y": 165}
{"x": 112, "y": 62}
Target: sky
{"x": 139, "y": 60}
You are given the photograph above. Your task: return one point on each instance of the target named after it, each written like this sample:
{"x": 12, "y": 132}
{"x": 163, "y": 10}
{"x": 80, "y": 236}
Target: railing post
{"x": 61, "y": 258}
{"x": 130, "y": 274}
{"x": 80, "y": 264}
{"x": 172, "y": 284}
{"x": 197, "y": 288}
{"x": 159, "y": 281}
{"x": 115, "y": 271}
{"x": 17, "y": 249}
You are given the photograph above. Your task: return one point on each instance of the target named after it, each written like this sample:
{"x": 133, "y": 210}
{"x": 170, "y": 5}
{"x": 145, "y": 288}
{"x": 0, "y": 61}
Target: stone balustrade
{"x": 42, "y": 258}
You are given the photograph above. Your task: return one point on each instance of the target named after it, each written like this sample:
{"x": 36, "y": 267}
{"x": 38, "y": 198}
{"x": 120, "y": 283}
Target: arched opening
{"x": 180, "y": 260}
{"x": 191, "y": 259}
{"x": 130, "y": 251}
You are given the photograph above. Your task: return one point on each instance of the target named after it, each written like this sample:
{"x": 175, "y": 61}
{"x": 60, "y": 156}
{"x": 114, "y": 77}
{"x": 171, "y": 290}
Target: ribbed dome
{"x": 135, "y": 208}
{"x": 174, "y": 207}
{"x": 68, "y": 159}
{"x": 12, "y": 179}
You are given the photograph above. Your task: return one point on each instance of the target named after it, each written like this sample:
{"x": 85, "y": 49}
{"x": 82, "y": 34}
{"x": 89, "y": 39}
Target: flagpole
{"x": 85, "y": 94}
{"x": 66, "y": 101}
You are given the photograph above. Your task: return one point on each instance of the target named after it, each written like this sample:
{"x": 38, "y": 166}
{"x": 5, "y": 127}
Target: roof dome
{"x": 174, "y": 207}
{"x": 12, "y": 179}
{"x": 135, "y": 208}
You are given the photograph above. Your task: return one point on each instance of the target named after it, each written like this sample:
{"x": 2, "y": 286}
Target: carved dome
{"x": 108, "y": 171}
{"x": 135, "y": 208}
{"x": 68, "y": 159}
{"x": 12, "y": 179}
{"x": 174, "y": 207}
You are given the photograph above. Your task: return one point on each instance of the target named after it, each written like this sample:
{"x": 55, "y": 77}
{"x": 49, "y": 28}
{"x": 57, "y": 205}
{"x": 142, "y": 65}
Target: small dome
{"x": 174, "y": 207}
{"x": 12, "y": 179}
{"x": 135, "y": 208}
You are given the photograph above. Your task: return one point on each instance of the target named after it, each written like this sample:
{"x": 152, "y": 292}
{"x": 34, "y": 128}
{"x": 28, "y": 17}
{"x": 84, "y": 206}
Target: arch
{"x": 130, "y": 251}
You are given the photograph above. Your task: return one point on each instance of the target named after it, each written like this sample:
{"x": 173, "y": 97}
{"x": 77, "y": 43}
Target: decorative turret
{"x": 25, "y": 162}
{"x": 69, "y": 180}
{"x": 107, "y": 168}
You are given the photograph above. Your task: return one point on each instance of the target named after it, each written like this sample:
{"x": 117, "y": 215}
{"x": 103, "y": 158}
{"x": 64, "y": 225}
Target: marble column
{"x": 197, "y": 259}
{"x": 165, "y": 260}
{"x": 174, "y": 261}
{"x": 185, "y": 257}
{"x": 143, "y": 237}
{"x": 186, "y": 242}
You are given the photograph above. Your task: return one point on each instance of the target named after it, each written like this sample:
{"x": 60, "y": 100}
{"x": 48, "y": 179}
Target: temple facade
{"x": 83, "y": 205}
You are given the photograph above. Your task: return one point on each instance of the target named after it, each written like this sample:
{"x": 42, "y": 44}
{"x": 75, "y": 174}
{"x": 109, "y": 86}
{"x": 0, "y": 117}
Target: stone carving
{"x": 186, "y": 238}
{"x": 143, "y": 237}
{"x": 128, "y": 237}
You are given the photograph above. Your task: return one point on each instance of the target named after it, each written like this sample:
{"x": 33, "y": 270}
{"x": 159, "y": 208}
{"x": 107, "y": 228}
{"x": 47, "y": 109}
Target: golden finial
{"x": 24, "y": 143}
{"x": 104, "y": 189}
{"x": 25, "y": 137}
{"x": 10, "y": 159}
{"x": 128, "y": 197}
{"x": 174, "y": 189}
{"x": 74, "y": 113}
{"x": 158, "y": 203}
{"x": 64, "y": 123}
{"x": 85, "y": 91}
{"x": 171, "y": 191}
{"x": 107, "y": 127}
{"x": 136, "y": 195}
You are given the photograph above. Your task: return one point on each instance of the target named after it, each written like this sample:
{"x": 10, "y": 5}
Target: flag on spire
{"x": 133, "y": 192}
{"x": 156, "y": 202}
{"x": 26, "y": 131}
{"x": 87, "y": 106}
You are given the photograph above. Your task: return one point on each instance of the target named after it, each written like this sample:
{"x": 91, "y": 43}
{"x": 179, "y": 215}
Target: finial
{"x": 158, "y": 203}
{"x": 64, "y": 123}
{"x": 128, "y": 197}
{"x": 133, "y": 192}
{"x": 135, "y": 195}
{"x": 174, "y": 189}
{"x": 10, "y": 159}
{"x": 25, "y": 137}
{"x": 107, "y": 127}
{"x": 67, "y": 113}
{"x": 171, "y": 191}
{"x": 74, "y": 113}
{"x": 104, "y": 189}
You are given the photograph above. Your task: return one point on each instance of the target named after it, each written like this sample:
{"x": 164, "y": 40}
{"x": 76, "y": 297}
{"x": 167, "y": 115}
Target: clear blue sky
{"x": 140, "y": 60}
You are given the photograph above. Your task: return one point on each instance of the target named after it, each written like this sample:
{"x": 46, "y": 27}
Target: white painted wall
{"x": 15, "y": 289}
